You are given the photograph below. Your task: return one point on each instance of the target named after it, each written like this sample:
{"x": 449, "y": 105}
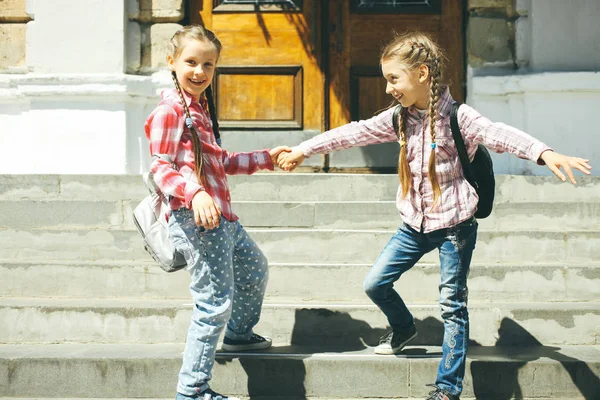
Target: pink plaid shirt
{"x": 459, "y": 199}
{"x": 164, "y": 125}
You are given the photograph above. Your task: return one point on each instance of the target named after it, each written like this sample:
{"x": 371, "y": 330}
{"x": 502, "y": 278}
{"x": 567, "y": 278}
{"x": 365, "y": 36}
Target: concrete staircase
{"x": 84, "y": 313}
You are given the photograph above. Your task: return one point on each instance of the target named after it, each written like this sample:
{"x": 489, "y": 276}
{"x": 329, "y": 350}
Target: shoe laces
{"x": 387, "y": 338}
{"x": 436, "y": 393}
{"x": 257, "y": 337}
{"x": 212, "y": 395}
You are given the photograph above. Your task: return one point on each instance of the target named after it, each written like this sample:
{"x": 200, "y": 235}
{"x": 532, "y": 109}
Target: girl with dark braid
{"x": 435, "y": 201}
{"x": 228, "y": 271}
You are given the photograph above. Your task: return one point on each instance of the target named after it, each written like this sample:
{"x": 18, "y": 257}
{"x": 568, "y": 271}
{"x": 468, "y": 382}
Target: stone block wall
{"x": 491, "y": 34}
{"x": 151, "y": 25}
{"x": 13, "y": 28}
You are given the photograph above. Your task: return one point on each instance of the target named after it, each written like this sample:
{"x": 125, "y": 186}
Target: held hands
{"x": 277, "y": 152}
{"x": 555, "y": 161}
{"x": 290, "y": 160}
{"x": 206, "y": 211}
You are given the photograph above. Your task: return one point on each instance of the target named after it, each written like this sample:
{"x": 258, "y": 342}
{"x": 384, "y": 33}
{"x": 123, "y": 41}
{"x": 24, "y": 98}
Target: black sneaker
{"x": 393, "y": 342}
{"x": 208, "y": 394}
{"x": 439, "y": 394}
{"x": 256, "y": 342}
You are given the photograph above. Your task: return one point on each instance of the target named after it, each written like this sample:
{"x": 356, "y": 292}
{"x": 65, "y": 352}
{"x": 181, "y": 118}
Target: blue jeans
{"x": 402, "y": 252}
{"x": 228, "y": 281}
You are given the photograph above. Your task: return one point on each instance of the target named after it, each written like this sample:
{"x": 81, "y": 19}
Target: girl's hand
{"x": 276, "y": 153}
{"x": 206, "y": 211}
{"x": 289, "y": 161}
{"x": 555, "y": 161}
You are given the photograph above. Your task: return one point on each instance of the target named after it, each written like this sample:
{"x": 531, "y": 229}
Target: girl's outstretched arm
{"x": 250, "y": 162}
{"x": 501, "y": 137}
{"x": 378, "y": 129}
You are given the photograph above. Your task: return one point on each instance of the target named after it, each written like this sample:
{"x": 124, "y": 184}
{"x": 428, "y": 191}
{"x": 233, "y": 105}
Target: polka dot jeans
{"x": 228, "y": 280}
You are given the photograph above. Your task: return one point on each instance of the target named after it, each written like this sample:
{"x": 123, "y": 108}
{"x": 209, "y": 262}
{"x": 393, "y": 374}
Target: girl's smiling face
{"x": 409, "y": 87}
{"x": 195, "y": 65}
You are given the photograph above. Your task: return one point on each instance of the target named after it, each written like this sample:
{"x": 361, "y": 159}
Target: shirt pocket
{"x": 446, "y": 150}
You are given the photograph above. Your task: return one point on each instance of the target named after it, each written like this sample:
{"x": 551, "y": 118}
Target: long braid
{"x": 433, "y": 116}
{"x": 403, "y": 166}
{"x": 197, "y": 144}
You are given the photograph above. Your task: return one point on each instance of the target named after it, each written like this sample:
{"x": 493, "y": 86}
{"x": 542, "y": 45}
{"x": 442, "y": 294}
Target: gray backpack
{"x": 150, "y": 219}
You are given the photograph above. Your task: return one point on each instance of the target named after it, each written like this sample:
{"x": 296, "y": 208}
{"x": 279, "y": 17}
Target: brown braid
{"x": 414, "y": 50}
{"x": 197, "y": 143}
{"x": 403, "y": 167}
{"x": 433, "y": 116}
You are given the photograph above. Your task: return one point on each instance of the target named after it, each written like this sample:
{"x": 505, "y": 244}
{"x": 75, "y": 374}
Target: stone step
{"x": 88, "y": 214}
{"x": 304, "y": 245}
{"x": 54, "y": 320}
{"x": 290, "y": 187}
{"x": 289, "y": 398}
{"x": 150, "y": 371}
{"x": 300, "y": 282}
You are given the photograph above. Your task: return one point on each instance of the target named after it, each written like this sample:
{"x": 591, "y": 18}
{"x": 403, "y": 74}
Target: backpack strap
{"x": 460, "y": 145}
{"x": 395, "y": 120}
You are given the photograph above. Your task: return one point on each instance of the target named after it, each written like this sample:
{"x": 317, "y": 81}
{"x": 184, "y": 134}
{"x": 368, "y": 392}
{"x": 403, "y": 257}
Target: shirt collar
{"x": 444, "y": 106}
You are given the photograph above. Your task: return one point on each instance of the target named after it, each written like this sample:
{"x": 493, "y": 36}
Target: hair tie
{"x": 402, "y": 143}
{"x": 433, "y": 145}
{"x": 189, "y": 122}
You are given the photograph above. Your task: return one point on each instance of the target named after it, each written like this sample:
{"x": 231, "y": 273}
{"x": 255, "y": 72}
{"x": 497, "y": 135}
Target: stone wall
{"x": 13, "y": 28}
{"x": 151, "y": 25}
{"x": 532, "y": 62}
{"x": 491, "y": 33}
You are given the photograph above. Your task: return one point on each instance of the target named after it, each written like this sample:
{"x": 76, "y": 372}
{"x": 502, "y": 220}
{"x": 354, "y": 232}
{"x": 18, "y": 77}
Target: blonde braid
{"x": 197, "y": 144}
{"x": 403, "y": 166}
{"x": 433, "y": 116}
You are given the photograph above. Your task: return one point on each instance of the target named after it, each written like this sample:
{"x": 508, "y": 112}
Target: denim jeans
{"x": 228, "y": 280}
{"x": 402, "y": 252}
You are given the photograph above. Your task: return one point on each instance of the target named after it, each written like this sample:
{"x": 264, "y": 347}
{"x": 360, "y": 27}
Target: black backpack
{"x": 479, "y": 173}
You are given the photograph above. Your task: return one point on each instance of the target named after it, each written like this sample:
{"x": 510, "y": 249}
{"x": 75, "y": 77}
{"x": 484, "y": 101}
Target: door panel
{"x": 269, "y": 75}
{"x": 273, "y": 93}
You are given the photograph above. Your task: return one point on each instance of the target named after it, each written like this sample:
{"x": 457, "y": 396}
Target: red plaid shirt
{"x": 459, "y": 199}
{"x": 167, "y": 123}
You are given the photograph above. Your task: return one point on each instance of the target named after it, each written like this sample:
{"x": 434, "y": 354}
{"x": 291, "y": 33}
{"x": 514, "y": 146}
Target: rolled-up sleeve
{"x": 378, "y": 129}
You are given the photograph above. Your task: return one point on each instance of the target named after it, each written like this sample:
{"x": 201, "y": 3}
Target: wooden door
{"x": 358, "y": 30}
{"x": 269, "y": 75}
{"x": 304, "y": 66}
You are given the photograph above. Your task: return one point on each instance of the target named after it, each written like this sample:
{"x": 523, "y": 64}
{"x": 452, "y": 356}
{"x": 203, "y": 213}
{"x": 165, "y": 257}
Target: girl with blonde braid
{"x": 435, "y": 201}
{"x": 228, "y": 271}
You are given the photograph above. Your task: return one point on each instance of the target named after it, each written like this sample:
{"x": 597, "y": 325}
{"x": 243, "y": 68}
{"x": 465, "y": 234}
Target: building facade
{"x": 77, "y": 79}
